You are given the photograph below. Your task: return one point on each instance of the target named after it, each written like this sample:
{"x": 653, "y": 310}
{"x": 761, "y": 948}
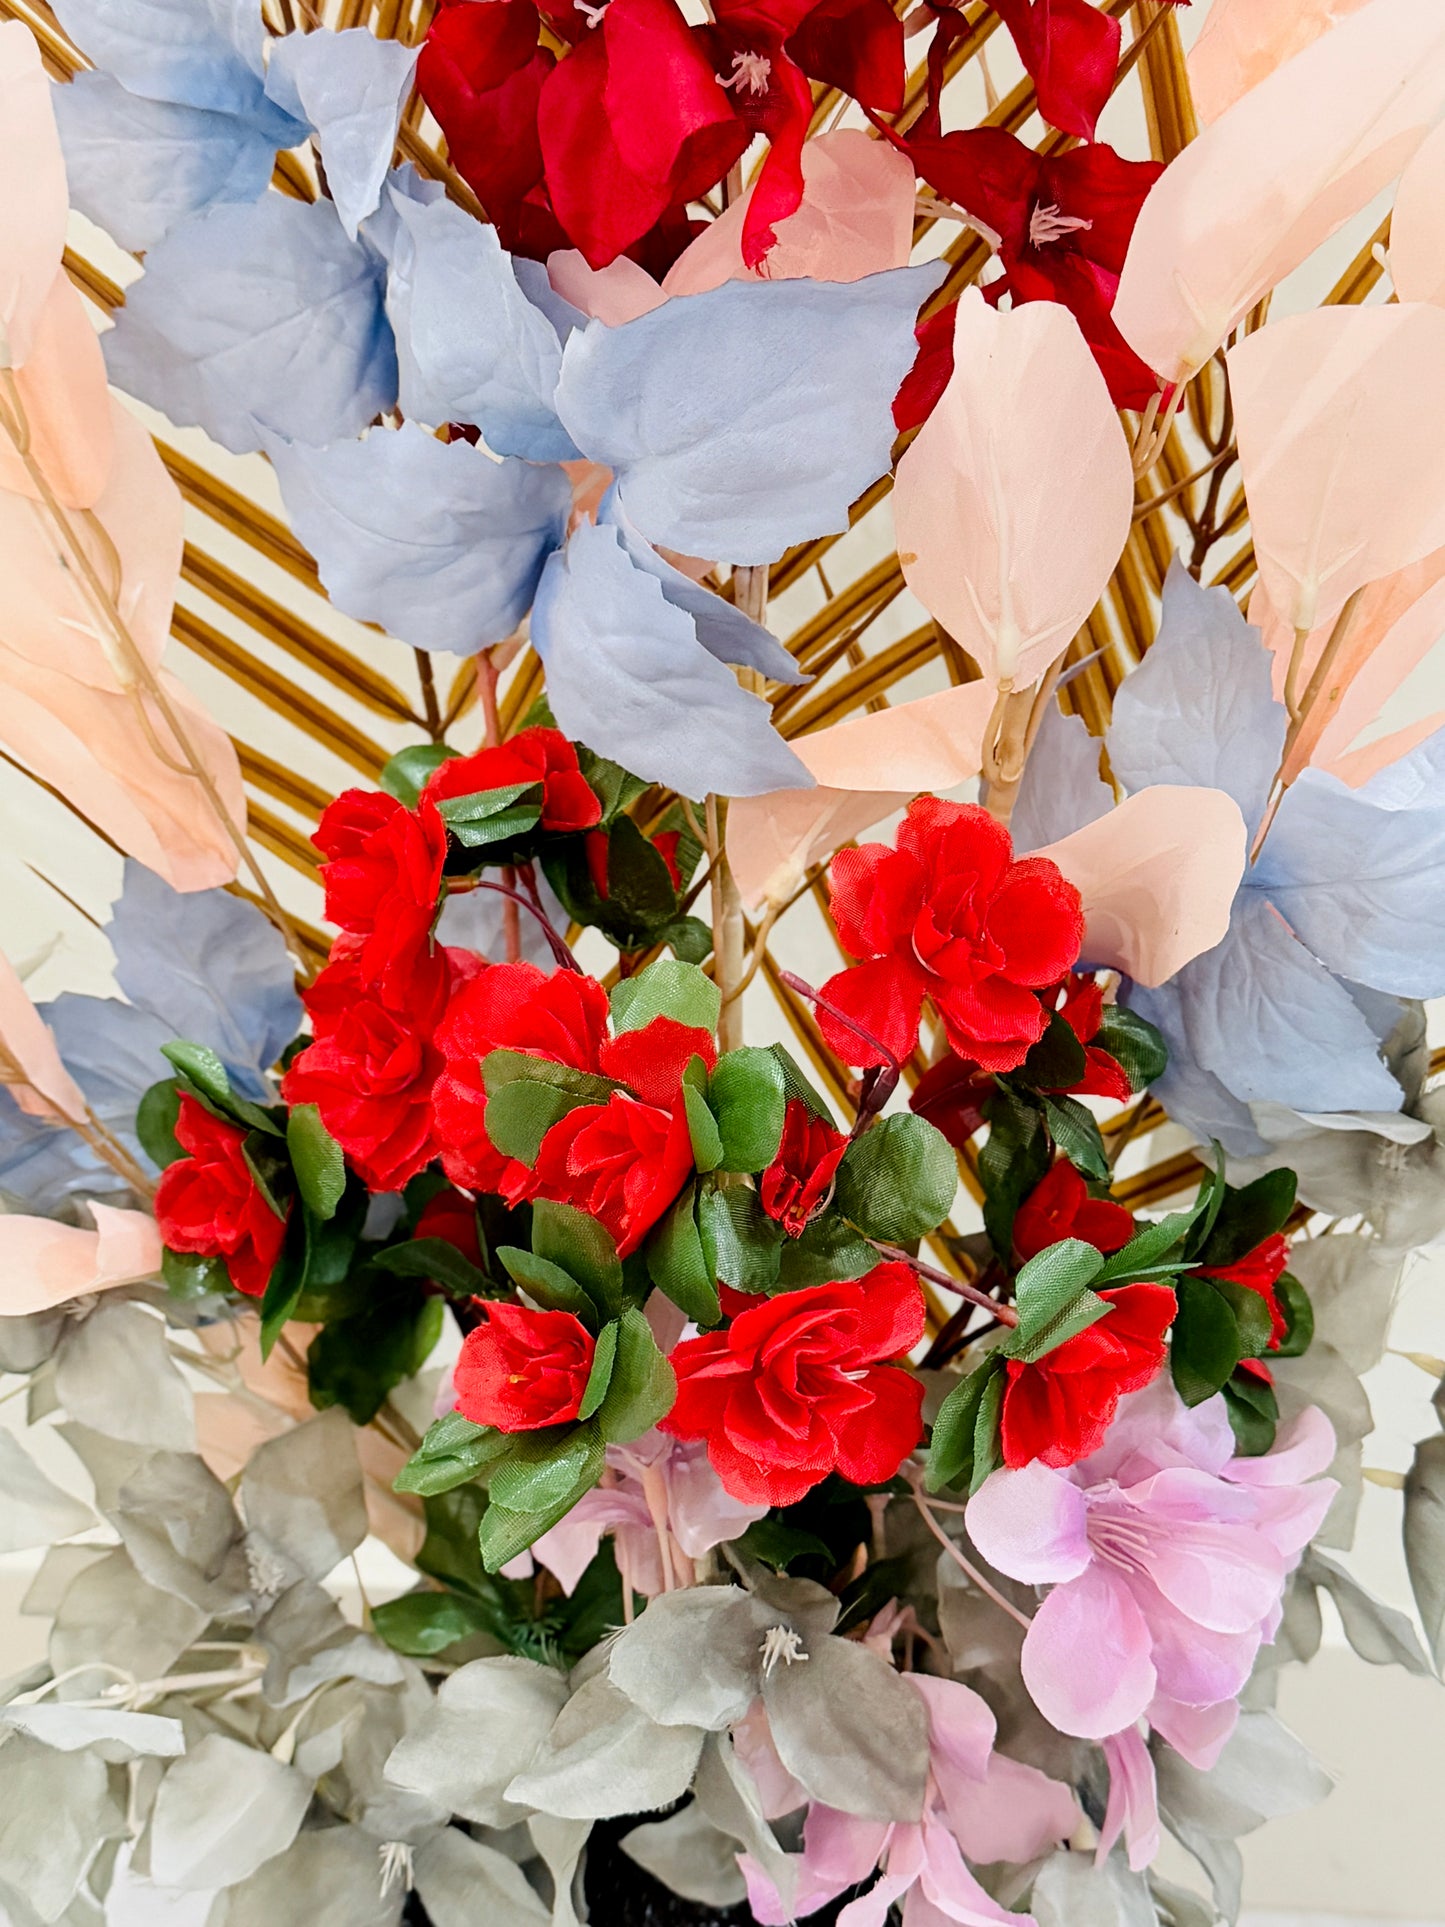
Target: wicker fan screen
{"x": 331, "y": 699}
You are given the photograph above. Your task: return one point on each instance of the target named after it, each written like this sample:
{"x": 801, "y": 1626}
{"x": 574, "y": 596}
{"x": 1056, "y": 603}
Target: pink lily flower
{"x": 1166, "y": 1558}
{"x": 978, "y": 1803}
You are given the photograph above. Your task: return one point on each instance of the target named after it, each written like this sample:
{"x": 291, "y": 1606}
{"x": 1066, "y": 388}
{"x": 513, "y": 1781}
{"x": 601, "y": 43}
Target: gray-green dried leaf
{"x": 687, "y": 1853}
{"x": 221, "y": 1813}
{"x": 1424, "y": 1530}
{"x": 34, "y": 1511}
{"x": 56, "y": 1810}
{"x": 1377, "y": 1632}
{"x": 462, "y": 1882}
{"x": 694, "y": 1658}
{"x": 1071, "y": 1891}
{"x": 327, "y": 1878}
{"x": 115, "y": 1374}
{"x": 605, "y": 1757}
{"x": 851, "y": 1730}
{"x": 180, "y": 1528}
{"x": 115, "y": 1736}
{"x": 302, "y": 1495}
{"x": 110, "y": 1615}
{"x": 489, "y": 1721}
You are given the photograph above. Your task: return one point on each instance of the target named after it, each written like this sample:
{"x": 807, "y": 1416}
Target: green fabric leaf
{"x": 155, "y": 1123}
{"x": 987, "y": 1449}
{"x": 503, "y": 1067}
{"x": 1299, "y": 1313}
{"x": 1251, "y": 1316}
{"x": 898, "y": 1181}
{"x": 317, "y": 1159}
{"x": 643, "y": 1385}
{"x": 283, "y": 1291}
{"x": 1056, "y": 1061}
{"x": 548, "y": 1286}
{"x": 614, "y": 787}
{"x": 1076, "y": 1132}
{"x": 600, "y": 1377}
{"x": 538, "y": 1484}
{"x": 439, "y": 1261}
{"x": 707, "y": 1146}
{"x": 688, "y": 938}
{"x": 453, "y": 1451}
{"x": 1139, "y": 1049}
{"x": 1246, "y": 1217}
{"x": 677, "y": 1265}
{"x": 1204, "y": 1348}
{"x": 951, "y": 1449}
{"x": 666, "y": 988}
{"x": 584, "y": 1249}
{"x": 406, "y": 775}
{"x": 519, "y": 1116}
{"x": 639, "y": 884}
{"x": 1253, "y": 1414}
{"x": 1053, "y": 1300}
{"x": 1015, "y": 1155}
{"x": 492, "y": 816}
{"x": 189, "y": 1276}
{"x": 741, "y": 1244}
{"x": 748, "y": 1097}
{"x": 1148, "y": 1249}
{"x": 797, "y": 1084}
{"x": 422, "y": 1624}
{"x": 204, "y": 1072}
{"x": 356, "y": 1361}
{"x": 779, "y": 1544}
{"x": 829, "y": 1251}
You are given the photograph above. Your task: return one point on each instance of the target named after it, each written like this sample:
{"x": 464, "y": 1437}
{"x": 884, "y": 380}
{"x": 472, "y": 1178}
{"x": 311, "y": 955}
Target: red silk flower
{"x": 210, "y": 1203}
{"x": 1064, "y": 222}
{"x": 1260, "y": 1270}
{"x": 382, "y": 876}
{"x": 797, "y": 1387}
{"x": 523, "y": 1369}
{"x": 453, "y": 1219}
{"x": 1083, "y": 1011}
{"x": 536, "y": 755}
{"x": 948, "y": 915}
{"x": 1059, "y": 1409}
{"x": 1070, "y": 49}
{"x": 796, "y": 1184}
{"x": 1059, "y": 1206}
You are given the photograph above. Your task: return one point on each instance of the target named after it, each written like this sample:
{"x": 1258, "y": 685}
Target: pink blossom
{"x": 664, "y": 1506}
{"x": 1166, "y": 1556}
{"x": 978, "y": 1803}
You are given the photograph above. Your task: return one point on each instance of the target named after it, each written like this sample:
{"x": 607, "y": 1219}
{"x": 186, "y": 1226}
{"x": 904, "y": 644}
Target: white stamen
{"x": 752, "y": 71}
{"x": 265, "y": 1573}
{"x": 780, "y": 1644}
{"x": 397, "y": 1869}
{"x": 592, "y": 15}
{"x": 1048, "y": 224}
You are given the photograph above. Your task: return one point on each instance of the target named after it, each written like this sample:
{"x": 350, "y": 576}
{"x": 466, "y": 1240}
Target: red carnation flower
{"x": 796, "y": 1184}
{"x": 1059, "y": 1206}
{"x": 382, "y": 875}
{"x": 948, "y": 915}
{"x": 453, "y": 1218}
{"x": 1059, "y": 1409}
{"x": 211, "y": 1204}
{"x": 509, "y": 1006}
{"x": 1083, "y": 1011}
{"x": 796, "y": 1388}
{"x": 1260, "y": 1270}
{"x": 622, "y": 1162}
{"x": 536, "y": 755}
{"x": 523, "y": 1369}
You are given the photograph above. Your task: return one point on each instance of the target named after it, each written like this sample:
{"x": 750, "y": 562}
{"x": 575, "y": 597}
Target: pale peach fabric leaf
{"x": 1241, "y": 42}
{"x": 33, "y": 211}
{"x": 866, "y": 768}
{"x": 1340, "y": 419}
{"x": 1417, "y": 225}
{"x": 855, "y": 218}
{"x": 38, "y": 1081}
{"x": 1361, "y": 764}
{"x": 1277, "y": 175}
{"x": 67, "y": 403}
{"x": 1157, "y": 875}
{"x": 1015, "y": 499}
{"x": 44, "y": 1264}
{"x": 618, "y": 293}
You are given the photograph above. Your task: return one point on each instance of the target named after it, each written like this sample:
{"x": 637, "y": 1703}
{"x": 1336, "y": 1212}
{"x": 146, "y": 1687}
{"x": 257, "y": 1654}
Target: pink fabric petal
{"x": 66, "y": 398}
{"x": 571, "y": 1546}
{"x": 1031, "y": 1524}
{"x": 618, "y": 293}
{"x": 1086, "y": 1657}
{"x": 1017, "y": 1814}
{"x": 948, "y": 1885}
{"x": 32, "y": 224}
{"x": 961, "y": 1728}
{"x": 905, "y": 1864}
{"x": 701, "y": 1512}
{"x": 1158, "y": 876}
{"x": 47, "y": 1090}
{"x": 1015, "y": 499}
{"x": 778, "y": 1792}
{"x": 1154, "y": 1429}
{"x": 1217, "y": 1570}
{"x": 1197, "y": 1733}
{"x": 1133, "y": 1808}
{"x": 840, "y": 1849}
{"x": 1417, "y": 225}
{"x": 1302, "y": 1450}
{"x": 1194, "y": 1663}
{"x": 1242, "y": 42}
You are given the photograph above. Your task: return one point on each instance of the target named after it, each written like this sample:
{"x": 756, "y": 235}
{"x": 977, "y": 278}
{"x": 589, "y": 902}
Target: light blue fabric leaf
{"x": 260, "y": 319}
{"x": 751, "y": 417}
{"x": 1062, "y": 789}
{"x": 722, "y": 629}
{"x": 1418, "y": 777}
{"x": 1195, "y": 1098}
{"x": 533, "y": 281}
{"x": 1267, "y": 1020}
{"x": 138, "y": 166}
{"x": 197, "y": 53}
{"x": 471, "y": 346}
{"x": 210, "y": 968}
{"x": 350, "y": 87}
{"x": 1361, "y": 883}
{"x": 627, "y": 675}
{"x": 380, "y": 231}
{"x": 436, "y": 541}
{"x": 1199, "y": 709}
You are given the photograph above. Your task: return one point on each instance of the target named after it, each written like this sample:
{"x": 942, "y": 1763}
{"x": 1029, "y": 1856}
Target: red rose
{"x": 952, "y": 1094}
{"x": 382, "y": 875}
{"x": 1059, "y": 1206}
{"x": 623, "y": 1162}
{"x": 948, "y": 915}
{"x": 1083, "y": 1011}
{"x": 1059, "y": 1409}
{"x": 795, "y": 1388}
{"x": 453, "y": 1218}
{"x": 795, "y": 1185}
{"x": 1260, "y": 1270}
{"x": 211, "y": 1204}
{"x": 509, "y": 1006}
{"x": 535, "y": 755}
{"x": 523, "y": 1369}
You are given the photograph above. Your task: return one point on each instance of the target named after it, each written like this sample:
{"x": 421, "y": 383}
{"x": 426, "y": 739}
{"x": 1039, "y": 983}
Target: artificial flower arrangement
{"x": 777, "y": 1536}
